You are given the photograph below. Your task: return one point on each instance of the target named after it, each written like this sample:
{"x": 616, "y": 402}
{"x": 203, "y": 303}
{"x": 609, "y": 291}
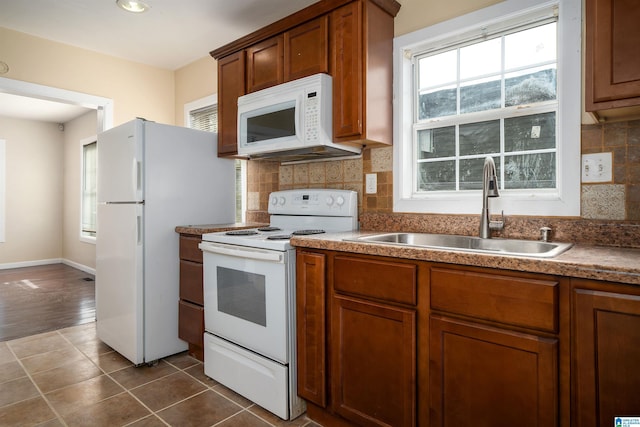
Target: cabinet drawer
{"x": 191, "y": 282}
{"x": 519, "y": 301}
{"x": 389, "y": 281}
{"x": 189, "y": 248}
{"x": 191, "y": 323}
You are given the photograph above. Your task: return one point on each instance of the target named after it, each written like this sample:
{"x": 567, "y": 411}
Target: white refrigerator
{"x": 151, "y": 178}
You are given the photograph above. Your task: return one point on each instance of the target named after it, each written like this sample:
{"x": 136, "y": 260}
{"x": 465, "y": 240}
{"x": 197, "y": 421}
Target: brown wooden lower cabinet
{"x": 373, "y": 359}
{"x": 486, "y": 376}
{"x": 392, "y": 342}
{"x": 606, "y": 352}
{"x": 191, "y": 304}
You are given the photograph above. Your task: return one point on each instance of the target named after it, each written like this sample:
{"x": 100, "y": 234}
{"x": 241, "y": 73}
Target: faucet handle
{"x": 545, "y": 233}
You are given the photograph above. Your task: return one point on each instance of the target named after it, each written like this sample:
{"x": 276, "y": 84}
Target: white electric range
{"x": 249, "y": 296}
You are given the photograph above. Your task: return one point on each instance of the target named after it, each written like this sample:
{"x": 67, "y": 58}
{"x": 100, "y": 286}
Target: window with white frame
{"x": 499, "y": 82}
{"x": 88, "y": 205}
{"x": 202, "y": 114}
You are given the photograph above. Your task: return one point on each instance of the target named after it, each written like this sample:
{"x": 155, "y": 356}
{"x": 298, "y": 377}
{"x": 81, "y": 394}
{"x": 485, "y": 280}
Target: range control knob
{"x": 329, "y": 200}
{"x": 274, "y": 201}
{"x": 282, "y": 201}
{"x": 340, "y": 201}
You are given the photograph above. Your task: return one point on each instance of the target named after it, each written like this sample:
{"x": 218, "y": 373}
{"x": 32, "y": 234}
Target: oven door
{"x": 246, "y": 297}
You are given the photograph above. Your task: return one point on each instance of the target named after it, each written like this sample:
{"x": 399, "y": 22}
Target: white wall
{"x": 34, "y": 191}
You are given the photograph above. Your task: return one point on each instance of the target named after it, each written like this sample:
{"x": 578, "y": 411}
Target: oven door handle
{"x": 246, "y": 253}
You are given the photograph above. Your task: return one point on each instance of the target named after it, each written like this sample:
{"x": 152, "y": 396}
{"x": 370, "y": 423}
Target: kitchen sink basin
{"x": 531, "y": 248}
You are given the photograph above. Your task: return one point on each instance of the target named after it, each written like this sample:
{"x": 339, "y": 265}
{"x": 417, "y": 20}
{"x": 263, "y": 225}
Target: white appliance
{"x": 249, "y": 296}
{"x": 290, "y": 121}
{"x": 151, "y": 178}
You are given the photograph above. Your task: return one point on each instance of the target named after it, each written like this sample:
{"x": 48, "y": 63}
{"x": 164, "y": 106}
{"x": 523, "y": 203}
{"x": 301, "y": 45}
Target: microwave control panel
{"x": 311, "y": 117}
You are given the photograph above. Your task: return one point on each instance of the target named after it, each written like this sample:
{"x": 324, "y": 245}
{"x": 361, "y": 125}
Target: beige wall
{"x": 195, "y": 81}
{"x": 74, "y": 251}
{"x": 417, "y": 14}
{"x": 34, "y": 191}
{"x": 137, "y": 90}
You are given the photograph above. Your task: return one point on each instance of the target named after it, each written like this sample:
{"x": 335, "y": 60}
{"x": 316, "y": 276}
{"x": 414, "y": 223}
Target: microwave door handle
{"x": 241, "y": 253}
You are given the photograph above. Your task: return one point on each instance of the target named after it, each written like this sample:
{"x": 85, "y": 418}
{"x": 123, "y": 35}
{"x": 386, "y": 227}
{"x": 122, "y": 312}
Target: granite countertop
{"x": 212, "y": 228}
{"x": 589, "y": 262}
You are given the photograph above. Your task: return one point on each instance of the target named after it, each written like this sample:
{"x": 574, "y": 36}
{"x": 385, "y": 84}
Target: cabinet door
{"x": 191, "y": 323}
{"x": 346, "y": 69}
{"x": 485, "y": 376}
{"x": 191, "y": 286}
{"x": 306, "y": 49}
{"x": 265, "y": 66}
{"x": 231, "y": 85}
{"x": 310, "y": 327}
{"x": 606, "y": 354}
{"x": 612, "y": 54}
{"x": 373, "y": 362}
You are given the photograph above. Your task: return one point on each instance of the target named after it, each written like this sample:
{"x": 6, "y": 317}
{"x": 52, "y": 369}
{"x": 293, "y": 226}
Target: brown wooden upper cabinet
{"x": 352, "y": 40}
{"x": 306, "y": 49}
{"x": 297, "y": 53}
{"x": 265, "y": 64}
{"x": 612, "y": 55}
{"x": 231, "y": 85}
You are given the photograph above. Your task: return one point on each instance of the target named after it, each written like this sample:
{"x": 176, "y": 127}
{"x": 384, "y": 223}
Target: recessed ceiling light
{"x": 134, "y": 6}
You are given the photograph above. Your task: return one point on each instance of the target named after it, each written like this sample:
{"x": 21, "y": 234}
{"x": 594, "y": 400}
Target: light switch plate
{"x": 371, "y": 183}
{"x": 597, "y": 167}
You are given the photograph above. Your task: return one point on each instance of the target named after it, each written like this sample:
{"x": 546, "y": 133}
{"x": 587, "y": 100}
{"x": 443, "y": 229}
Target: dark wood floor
{"x": 44, "y": 298}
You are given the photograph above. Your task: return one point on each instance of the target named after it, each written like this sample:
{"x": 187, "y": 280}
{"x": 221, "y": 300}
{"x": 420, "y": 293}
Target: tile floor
{"x": 70, "y": 378}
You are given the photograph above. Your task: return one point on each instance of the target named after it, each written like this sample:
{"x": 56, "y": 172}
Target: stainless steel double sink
{"x": 514, "y": 247}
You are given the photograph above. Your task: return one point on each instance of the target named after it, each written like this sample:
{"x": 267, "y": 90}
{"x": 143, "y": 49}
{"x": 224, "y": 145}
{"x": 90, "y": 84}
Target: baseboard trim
{"x": 21, "y": 264}
{"x": 80, "y": 267}
{"x": 35, "y": 263}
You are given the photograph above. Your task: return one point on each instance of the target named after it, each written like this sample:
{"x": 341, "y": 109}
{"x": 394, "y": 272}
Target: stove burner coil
{"x": 241, "y": 233}
{"x": 279, "y": 237}
{"x": 307, "y": 232}
{"x": 269, "y": 228}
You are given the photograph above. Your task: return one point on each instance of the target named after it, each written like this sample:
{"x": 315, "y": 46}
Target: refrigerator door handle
{"x": 136, "y": 175}
{"x": 139, "y": 228}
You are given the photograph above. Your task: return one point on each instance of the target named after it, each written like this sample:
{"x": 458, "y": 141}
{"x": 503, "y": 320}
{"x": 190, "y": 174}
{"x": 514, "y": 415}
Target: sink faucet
{"x": 489, "y": 189}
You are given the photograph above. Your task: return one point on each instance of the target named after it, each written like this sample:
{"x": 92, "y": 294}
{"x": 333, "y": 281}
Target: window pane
{"x": 530, "y": 47}
{"x": 205, "y": 119}
{"x": 530, "y": 171}
{"x": 480, "y": 96}
{"x": 471, "y": 173}
{"x": 433, "y": 143}
{"x": 480, "y": 138}
{"x": 437, "y": 104}
{"x": 534, "y": 132}
{"x": 437, "y": 176}
{"x": 438, "y": 70}
{"x": 530, "y": 86}
{"x": 89, "y": 189}
{"x": 471, "y": 89}
{"x": 481, "y": 59}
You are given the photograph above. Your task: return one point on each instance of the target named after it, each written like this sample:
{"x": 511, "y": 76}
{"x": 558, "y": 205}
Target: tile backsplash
{"x": 603, "y": 206}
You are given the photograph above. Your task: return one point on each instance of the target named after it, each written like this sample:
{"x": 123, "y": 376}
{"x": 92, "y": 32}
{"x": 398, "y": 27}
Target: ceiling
{"x": 172, "y": 34}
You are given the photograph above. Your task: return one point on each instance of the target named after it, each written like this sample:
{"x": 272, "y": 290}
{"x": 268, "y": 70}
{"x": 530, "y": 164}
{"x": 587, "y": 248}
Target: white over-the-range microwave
{"x": 290, "y": 121}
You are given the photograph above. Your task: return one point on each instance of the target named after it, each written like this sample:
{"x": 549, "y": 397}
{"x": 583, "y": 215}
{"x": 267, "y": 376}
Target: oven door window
{"x": 242, "y": 294}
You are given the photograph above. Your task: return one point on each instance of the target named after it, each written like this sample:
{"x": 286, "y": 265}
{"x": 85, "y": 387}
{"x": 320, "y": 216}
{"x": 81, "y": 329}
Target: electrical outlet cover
{"x": 597, "y": 167}
{"x": 371, "y": 183}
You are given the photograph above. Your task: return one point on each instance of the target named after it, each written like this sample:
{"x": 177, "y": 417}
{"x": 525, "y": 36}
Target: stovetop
{"x": 301, "y": 212}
